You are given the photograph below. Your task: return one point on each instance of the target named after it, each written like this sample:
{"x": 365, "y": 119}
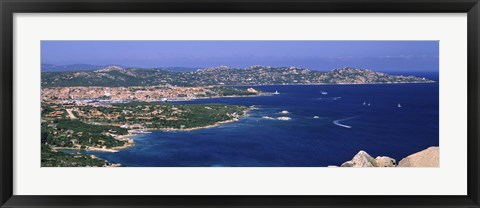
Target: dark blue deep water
{"x": 380, "y": 129}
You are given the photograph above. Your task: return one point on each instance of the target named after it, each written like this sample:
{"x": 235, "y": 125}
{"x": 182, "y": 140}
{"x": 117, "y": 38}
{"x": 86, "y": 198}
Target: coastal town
{"x": 159, "y": 93}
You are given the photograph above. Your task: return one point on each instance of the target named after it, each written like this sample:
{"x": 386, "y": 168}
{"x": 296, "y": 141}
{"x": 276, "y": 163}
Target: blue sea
{"x": 344, "y": 126}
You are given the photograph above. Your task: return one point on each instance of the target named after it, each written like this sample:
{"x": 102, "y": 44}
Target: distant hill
{"x": 83, "y": 67}
{"x": 181, "y": 69}
{"x": 115, "y": 76}
{"x": 70, "y": 67}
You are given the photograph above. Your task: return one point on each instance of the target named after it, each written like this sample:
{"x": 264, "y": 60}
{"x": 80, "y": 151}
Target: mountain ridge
{"x": 117, "y": 76}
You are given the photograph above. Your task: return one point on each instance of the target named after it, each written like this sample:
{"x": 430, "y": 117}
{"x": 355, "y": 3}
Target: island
{"x": 115, "y": 76}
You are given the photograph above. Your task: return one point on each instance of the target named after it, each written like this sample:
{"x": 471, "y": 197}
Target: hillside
{"x": 115, "y": 76}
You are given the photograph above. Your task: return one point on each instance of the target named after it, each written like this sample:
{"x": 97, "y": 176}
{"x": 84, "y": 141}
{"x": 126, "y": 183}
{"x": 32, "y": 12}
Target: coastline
{"x": 235, "y": 119}
{"x": 194, "y": 128}
{"x": 214, "y": 97}
{"x": 117, "y": 149}
{"x": 130, "y": 142}
{"x": 86, "y": 149}
{"x": 323, "y": 84}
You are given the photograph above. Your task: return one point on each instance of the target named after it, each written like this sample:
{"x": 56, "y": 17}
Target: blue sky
{"x": 408, "y": 56}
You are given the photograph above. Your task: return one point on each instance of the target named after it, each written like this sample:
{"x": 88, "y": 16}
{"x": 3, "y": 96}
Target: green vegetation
{"x": 75, "y": 134}
{"x": 162, "y": 116}
{"x": 256, "y": 75}
{"x": 107, "y": 120}
{"x": 96, "y": 126}
{"x": 46, "y": 109}
{"x": 52, "y": 158}
{"x": 95, "y": 123}
{"x": 79, "y": 126}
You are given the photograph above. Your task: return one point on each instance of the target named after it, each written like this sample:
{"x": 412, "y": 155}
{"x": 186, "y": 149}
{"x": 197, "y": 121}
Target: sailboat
{"x": 399, "y": 105}
{"x": 276, "y": 93}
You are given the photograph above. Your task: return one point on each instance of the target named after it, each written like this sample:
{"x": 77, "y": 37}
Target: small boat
{"x": 399, "y": 105}
{"x": 324, "y": 93}
{"x": 316, "y": 117}
{"x": 284, "y": 112}
{"x": 364, "y": 103}
{"x": 368, "y": 104}
{"x": 276, "y": 93}
{"x": 284, "y": 118}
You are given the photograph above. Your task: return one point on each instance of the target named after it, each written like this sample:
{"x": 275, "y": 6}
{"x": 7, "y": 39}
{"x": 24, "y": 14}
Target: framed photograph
{"x": 239, "y": 104}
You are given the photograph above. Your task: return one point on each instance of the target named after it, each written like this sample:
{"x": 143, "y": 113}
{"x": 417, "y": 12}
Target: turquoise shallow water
{"x": 304, "y": 141}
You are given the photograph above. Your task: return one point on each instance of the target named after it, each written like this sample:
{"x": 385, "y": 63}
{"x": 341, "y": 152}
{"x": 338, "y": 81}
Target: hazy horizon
{"x": 196, "y": 68}
{"x": 386, "y": 56}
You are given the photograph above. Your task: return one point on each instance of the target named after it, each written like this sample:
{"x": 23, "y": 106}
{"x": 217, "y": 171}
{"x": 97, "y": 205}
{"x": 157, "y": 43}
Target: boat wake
{"x": 329, "y": 98}
{"x": 337, "y": 122}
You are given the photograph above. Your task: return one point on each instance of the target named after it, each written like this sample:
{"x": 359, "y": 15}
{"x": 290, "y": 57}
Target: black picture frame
{"x": 10, "y": 7}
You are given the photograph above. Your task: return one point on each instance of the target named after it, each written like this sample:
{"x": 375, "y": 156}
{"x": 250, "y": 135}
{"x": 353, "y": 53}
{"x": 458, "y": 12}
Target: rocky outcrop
{"x": 425, "y": 158}
{"x": 363, "y": 159}
{"x": 383, "y": 161}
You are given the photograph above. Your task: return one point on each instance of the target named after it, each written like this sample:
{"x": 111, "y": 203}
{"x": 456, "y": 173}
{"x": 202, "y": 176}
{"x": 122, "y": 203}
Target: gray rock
{"x": 361, "y": 159}
{"x": 347, "y": 164}
{"x": 383, "y": 161}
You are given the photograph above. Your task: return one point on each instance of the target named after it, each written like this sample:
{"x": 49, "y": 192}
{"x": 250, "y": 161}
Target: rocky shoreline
{"x": 426, "y": 158}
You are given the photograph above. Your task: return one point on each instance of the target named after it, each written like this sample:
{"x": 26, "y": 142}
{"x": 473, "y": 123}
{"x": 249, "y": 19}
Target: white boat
{"x": 399, "y": 105}
{"x": 324, "y": 93}
{"x": 316, "y": 117}
{"x": 276, "y": 93}
{"x": 364, "y": 103}
{"x": 284, "y": 118}
{"x": 284, "y": 112}
{"x": 368, "y": 104}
